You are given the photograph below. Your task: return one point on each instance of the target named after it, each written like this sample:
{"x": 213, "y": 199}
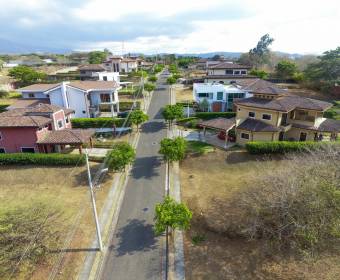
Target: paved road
{"x": 135, "y": 253}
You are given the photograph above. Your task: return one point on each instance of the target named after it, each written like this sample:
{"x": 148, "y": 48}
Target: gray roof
{"x": 257, "y": 126}
{"x": 219, "y": 123}
{"x": 228, "y": 65}
{"x": 285, "y": 103}
{"x": 39, "y": 87}
{"x": 328, "y": 125}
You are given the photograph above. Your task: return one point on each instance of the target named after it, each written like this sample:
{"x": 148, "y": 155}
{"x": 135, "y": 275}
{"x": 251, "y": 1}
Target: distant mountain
{"x": 10, "y": 47}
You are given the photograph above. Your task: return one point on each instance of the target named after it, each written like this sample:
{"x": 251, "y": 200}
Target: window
{"x": 105, "y": 97}
{"x": 67, "y": 120}
{"x": 27, "y": 150}
{"x": 229, "y": 72}
{"x": 2, "y": 151}
{"x": 60, "y": 123}
{"x": 303, "y": 136}
{"x": 83, "y": 112}
{"x": 266, "y": 117}
{"x": 251, "y": 114}
{"x": 104, "y": 78}
{"x": 245, "y": 136}
{"x": 236, "y": 72}
{"x": 220, "y": 96}
{"x": 203, "y": 94}
{"x": 31, "y": 95}
{"x": 243, "y": 72}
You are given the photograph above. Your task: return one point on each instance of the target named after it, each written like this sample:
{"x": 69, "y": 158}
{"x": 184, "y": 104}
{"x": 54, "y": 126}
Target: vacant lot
{"x": 63, "y": 187}
{"x": 183, "y": 93}
{"x": 207, "y": 182}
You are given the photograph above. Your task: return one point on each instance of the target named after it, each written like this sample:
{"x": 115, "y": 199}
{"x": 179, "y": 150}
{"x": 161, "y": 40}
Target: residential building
{"x": 90, "y": 72}
{"x": 87, "y": 98}
{"x": 122, "y": 64}
{"x": 272, "y": 115}
{"x": 42, "y": 128}
{"x": 219, "y": 97}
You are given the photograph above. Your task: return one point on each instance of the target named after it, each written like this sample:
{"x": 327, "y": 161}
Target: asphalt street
{"x": 135, "y": 252}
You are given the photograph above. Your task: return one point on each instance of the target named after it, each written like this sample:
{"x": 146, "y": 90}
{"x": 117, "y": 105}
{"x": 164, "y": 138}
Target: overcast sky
{"x": 181, "y": 26}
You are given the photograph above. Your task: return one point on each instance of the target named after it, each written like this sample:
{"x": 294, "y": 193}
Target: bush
{"x": 19, "y": 226}
{"x": 3, "y": 107}
{"x": 127, "y": 105}
{"x": 41, "y": 159}
{"x": 4, "y": 93}
{"x": 184, "y": 120}
{"x": 97, "y": 122}
{"x": 281, "y": 147}
{"x": 212, "y": 115}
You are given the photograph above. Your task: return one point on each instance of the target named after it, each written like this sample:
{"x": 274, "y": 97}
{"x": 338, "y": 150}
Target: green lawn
{"x": 198, "y": 147}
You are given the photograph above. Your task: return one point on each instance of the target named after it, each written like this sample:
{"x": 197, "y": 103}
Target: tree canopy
{"x": 171, "y": 80}
{"x": 137, "y": 117}
{"x": 172, "y": 112}
{"x": 286, "y": 69}
{"x": 121, "y": 155}
{"x": 171, "y": 214}
{"x": 26, "y": 75}
{"x": 153, "y": 79}
{"x": 97, "y": 57}
{"x": 149, "y": 87}
{"x": 173, "y": 149}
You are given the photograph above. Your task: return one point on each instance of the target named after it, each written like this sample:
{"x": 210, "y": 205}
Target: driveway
{"x": 135, "y": 252}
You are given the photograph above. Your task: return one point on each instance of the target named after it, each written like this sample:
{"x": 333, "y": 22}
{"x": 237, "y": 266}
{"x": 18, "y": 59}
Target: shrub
{"x": 3, "y": 107}
{"x": 97, "y": 122}
{"x": 153, "y": 79}
{"x": 4, "y": 93}
{"x": 212, "y": 115}
{"x": 184, "y": 120}
{"x": 171, "y": 214}
{"x": 281, "y": 147}
{"x": 127, "y": 105}
{"x": 121, "y": 155}
{"x": 19, "y": 226}
{"x": 41, "y": 159}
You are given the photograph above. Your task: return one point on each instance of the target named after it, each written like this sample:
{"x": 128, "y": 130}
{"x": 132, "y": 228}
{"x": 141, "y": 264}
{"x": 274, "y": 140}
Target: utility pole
{"x": 93, "y": 202}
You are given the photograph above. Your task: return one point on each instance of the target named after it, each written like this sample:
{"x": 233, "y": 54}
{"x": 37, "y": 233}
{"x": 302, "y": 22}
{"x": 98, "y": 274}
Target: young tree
{"x": 204, "y": 105}
{"x": 26, "y": 75}
{"x": 171, "y": 214}
{"x": 137, "y": 117}
{"x": 153, "y": 79}
{"x": 149, "y": 87}
{"x": 97, "y": 57}
{"x": 173, "y": 149}
{"x": 286, "y": 69}
{"x": 172, "y": 112}
{"x": 171, "y": 80}
{"x": 121, "y": 155}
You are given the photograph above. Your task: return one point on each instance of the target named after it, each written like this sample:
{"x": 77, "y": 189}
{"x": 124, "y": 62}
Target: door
{"x": 284, "y": 119}
{"x": 281, "y": 136}
{"x": 303, "y": 136}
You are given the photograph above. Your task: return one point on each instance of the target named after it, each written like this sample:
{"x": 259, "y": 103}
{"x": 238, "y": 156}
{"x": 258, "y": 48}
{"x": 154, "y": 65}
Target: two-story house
{"x": 219, "y": 97}
{"x": 121, "y": 64}
{"x": 87, "y": 98}
{"x": 272, "y": 115}
{"x": 42, "y": 128}
{"x": 90, "y": 71}
{"x": 226, "y": 72}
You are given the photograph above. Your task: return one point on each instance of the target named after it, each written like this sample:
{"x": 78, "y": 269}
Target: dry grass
{"x": 183, "y": 93}
{"x": 205, "y": 181}
{"x": 56, "y": 186}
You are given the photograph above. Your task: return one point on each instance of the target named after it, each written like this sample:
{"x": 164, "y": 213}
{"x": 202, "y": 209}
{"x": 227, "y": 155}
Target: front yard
{"x": 61, "y": 188}
{"x": 183, "y": 93}
{"x": 208, "y": 182}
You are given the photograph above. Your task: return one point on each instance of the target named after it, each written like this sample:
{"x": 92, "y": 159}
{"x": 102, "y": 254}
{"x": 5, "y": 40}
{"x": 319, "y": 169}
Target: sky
{"x": 176, "y": 26}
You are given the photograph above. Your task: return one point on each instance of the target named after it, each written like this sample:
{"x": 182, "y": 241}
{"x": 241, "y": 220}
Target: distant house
{"x": 90, "y": 71}
{"x": 220, "y": 97}
{"x": 42, "y": 128}
{"x": 226, "y": 72}
{"x": 87, "y": 98}
{"x": 122, "y": 64}
{"x": 272, "y": 114}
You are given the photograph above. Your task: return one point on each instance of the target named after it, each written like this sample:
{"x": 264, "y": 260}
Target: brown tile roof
{"x": 40, "y": 108}
{"x": 260, "y": 86}
{"x": 24, "y": 121}
{"x": 328, "y": 125}
{"x": 285, "y": 103}
{"x": 39, "y": 87}
{"x": 257, "y": 126}
{"x": 26, "y": 103}
{"x": 92, "y": 67}
{"x": 228, "y": 65}
{"x": 219, "y": 123}
{"x": 94, "y": 85}
{"x": 231, "y": 77}
{"x": 66, "y": 136}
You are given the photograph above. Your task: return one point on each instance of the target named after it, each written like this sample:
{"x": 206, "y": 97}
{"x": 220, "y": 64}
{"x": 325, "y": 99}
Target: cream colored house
{"x": 273, "y": 115}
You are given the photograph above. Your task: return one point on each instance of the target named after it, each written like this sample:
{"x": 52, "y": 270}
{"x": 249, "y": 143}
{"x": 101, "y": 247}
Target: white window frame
{"x": 243, "y": 133}
{"x": 250, "y": 116}
{"x": 27, "y": 148}
{"x": 2, "y": 148}
{"x": 267, "y": 115}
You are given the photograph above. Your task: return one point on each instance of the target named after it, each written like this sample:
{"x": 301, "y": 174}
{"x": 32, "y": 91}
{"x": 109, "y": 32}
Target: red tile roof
{"x": 66, "y": 136}
{"x": 257, "y": 126}
{"x": 92, "y": 67}
{"x": 24, "y": 121}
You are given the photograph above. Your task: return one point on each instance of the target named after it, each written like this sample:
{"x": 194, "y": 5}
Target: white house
{"x": 87, "y": 98}
{"x": 220, "y": 97}
{"x": 121, "y": 64}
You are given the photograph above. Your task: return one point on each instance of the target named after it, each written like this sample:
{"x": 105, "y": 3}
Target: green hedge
{"x": 41, "y": 159}
{"x": 183, "y": 120}
{"x": 212, "y": 115}
{"x": 126, "y": 105}
{"x": 97, "y": 122}
{"x": 281, "y": 147}
{"x": 185, "y": 104}
{"x": 3, "y": 107}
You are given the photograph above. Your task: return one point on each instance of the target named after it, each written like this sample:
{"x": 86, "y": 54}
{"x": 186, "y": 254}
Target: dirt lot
{"x": 183, "y": 93}
{"x": 215, "y": 177}
{"x": 67, "y": 188}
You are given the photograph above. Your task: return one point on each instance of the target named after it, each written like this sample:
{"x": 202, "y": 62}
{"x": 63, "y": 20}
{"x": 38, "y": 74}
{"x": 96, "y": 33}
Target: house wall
{"x": 59, "y": 116}
{"x": 223, "y": 71}
{"x": 243, "y": 113}
{"x": 78, "y": 101}
{"x": 13, "y": 138}
{"x": 256, "y": 136}
{"x": 56, "y": 97}
{"x": 294, "y": 134}
{"x": 25, "y": 94}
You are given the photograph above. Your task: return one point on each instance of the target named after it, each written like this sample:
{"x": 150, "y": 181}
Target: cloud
{"x": 175, "y": 26}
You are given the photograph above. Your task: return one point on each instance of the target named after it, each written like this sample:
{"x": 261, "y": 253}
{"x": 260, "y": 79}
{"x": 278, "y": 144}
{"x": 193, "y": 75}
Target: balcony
{"x": 285, "y": 126}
